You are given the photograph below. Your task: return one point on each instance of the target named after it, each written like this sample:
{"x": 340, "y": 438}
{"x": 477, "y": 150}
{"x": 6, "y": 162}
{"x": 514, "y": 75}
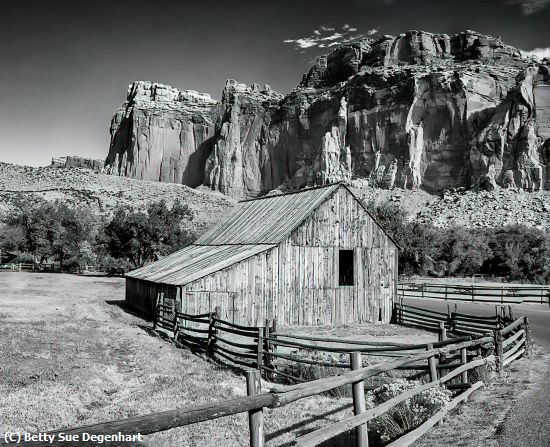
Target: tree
{"x": 142, "y": 237}
{"x": 49, "y": 231}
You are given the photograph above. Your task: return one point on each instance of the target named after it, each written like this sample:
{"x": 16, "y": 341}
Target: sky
{"x": 65, "y": 66}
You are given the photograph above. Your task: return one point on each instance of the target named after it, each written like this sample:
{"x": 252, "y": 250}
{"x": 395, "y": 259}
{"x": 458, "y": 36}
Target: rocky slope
{"x": 101, "y": 193}
{"x": 418, "y": 110}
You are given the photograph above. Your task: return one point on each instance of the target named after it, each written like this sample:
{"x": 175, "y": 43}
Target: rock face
{"x": 418, "y": 110}
{"x": 72, "y": 161}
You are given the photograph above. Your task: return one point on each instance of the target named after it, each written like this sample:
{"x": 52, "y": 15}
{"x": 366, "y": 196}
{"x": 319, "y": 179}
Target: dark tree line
{"x": 517, "y": 252}
{"x": 55, "y": 232}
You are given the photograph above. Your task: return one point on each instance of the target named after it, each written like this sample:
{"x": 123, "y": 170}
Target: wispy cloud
{"x": 327, "y": 37}
{"x": 540, "y": 53}
{"x": 529, "y": 7}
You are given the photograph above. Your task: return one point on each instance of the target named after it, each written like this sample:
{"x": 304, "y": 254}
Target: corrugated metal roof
{"x": 267, "y": 220}
{"x": 194, "y": 262}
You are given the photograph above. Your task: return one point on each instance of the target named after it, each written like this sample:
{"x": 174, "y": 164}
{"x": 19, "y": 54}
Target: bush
{"x": 407, "y": 415}
{"x": 50, "y": 231}
{"x": 306, "y": 372}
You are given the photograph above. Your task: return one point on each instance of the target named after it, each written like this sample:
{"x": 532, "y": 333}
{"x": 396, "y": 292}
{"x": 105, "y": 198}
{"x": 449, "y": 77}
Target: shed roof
{"x": 194, "y": 262}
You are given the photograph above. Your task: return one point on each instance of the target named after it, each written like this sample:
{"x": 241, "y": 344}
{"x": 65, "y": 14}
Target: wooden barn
{"x": 312, "y": 257}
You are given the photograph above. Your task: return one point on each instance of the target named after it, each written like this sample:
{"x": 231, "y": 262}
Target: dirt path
{"x": 528, "y": 422}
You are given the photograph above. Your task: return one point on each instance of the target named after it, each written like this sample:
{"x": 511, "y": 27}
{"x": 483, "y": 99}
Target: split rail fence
{"x": 281, "y": 357}
{"x": 448, "y": 361}
{"x": 506, "y": 345}
{"x": 454, "y": 322}
{"x": 505, "y": 294}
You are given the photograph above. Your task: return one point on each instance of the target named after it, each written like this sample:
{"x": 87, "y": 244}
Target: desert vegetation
{"x": 517, "y": 252}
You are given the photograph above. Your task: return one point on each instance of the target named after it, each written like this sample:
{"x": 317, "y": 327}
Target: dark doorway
{"x": 345, "y": 268}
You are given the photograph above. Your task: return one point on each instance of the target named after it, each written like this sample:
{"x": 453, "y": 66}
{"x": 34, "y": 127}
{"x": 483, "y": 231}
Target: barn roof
{"x": 267, "y": 220}
{"x": 194, "y": 262}
{"x": 255, "y": 226}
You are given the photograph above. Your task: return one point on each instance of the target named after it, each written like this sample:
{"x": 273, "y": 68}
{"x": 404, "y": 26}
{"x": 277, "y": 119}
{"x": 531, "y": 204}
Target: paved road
{"x": 528, "y": 421}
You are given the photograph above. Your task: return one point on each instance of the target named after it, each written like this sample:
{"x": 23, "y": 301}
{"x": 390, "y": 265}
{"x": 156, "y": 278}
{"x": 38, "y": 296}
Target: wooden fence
{"x": 257, "y": 401}
{"x": 454, "y": 322}
{"x": 504, "y": 294}
{"x": 274, "y": 353}
{"x": 444, "y": 361}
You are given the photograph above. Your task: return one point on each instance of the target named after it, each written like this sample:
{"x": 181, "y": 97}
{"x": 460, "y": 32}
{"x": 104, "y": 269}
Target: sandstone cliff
{"x": 73, "y": 161}
{"x": 414, "y": 110}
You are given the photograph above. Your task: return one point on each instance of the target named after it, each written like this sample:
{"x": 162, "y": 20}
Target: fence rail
{"x": 454, "y": 322}
{"x": 505, "y": 294}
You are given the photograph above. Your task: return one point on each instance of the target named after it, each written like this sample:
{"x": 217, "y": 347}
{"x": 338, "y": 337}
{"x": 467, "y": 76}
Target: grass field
{"x": 72, "y": 356}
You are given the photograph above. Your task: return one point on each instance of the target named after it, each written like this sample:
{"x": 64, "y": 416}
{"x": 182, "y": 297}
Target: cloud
{"x": 326, "y": 37}
{"x": 349, "y": 28}
{"x": 529, "y": 7}
{"x": 540, "y": 53}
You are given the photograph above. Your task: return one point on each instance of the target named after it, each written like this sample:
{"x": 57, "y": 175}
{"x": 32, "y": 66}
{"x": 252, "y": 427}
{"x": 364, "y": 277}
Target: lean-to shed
{"x": 312, "y": 257}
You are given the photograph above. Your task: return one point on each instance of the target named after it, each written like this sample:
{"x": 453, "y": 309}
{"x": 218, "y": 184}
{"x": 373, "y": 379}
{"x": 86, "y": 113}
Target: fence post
{"x": 255, "y": 417}
{"x": 174, "y": 314}
{"x": 499, "y": 351}
{"x": 528, "y": 341}
{"x": 177, "y": 309}
{"x": 273, "y": 334}
{"x": 431, "y": 363}
{"x": 422, "y": 289}
{"x": 212, "y": 331}
{"x": 359, "y": 406}
{"x": 464, "y": 360}
{"x": 156, "y": 312}
{"x": 442, "y": 336}
{"x": 267, "y": 359}
{"x": 259, "y": 358}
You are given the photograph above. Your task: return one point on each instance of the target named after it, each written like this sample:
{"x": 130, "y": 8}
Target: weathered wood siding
{"x": 309, "y": 290}
{"x": 142, "y": 295}
{"x": 245, "y": 291}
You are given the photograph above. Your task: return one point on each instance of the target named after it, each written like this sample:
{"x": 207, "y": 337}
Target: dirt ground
{"x": 72, "y": 355}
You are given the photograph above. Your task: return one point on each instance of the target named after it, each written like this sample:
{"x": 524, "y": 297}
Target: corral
{"x": 72, "y": 356}
{"x": 312, "y": 257}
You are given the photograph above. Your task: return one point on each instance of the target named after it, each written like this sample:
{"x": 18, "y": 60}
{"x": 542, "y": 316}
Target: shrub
{"x": 307, "y": 372}
{"x": 407, "y": 415}
{"x": 141, "y": 237}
